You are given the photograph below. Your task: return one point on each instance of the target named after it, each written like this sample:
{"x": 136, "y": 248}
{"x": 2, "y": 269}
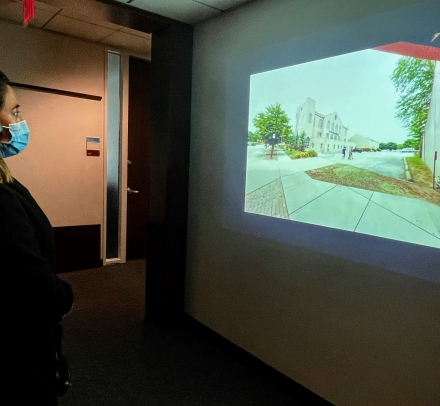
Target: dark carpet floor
{"x": 116, "y": 358}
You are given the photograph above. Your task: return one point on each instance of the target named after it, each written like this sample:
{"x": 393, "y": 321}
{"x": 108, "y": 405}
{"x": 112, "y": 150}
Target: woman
{"x": 36, "y": 298}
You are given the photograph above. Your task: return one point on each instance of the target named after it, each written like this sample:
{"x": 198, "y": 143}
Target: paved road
{"x": 254, "y": 154}
{"x": 280, "y": 187}
{"x": 385, "y": 163}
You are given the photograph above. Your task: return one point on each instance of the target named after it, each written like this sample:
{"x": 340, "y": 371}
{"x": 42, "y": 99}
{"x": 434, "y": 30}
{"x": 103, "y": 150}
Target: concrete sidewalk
{"x": 280, "y": 187}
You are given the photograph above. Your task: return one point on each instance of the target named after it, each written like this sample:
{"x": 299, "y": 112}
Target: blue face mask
{"x": 19, "y": 139}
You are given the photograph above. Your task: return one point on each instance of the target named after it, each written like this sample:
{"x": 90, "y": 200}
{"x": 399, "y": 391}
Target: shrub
{"x": 304, "y": 154}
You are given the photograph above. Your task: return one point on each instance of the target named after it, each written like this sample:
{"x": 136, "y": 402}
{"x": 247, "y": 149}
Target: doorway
{"x": 139, "y": 125}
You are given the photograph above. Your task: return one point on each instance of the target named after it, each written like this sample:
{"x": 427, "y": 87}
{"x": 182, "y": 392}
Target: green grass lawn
{"x": 419, "y": 171}
{"x": 291, "y": 153}
{"x": 352, "y": 176}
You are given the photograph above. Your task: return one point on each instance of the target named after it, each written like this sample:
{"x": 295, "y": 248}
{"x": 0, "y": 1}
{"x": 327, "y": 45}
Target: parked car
{"x": 355, "y": 149}
{"x": 408, "y": 150}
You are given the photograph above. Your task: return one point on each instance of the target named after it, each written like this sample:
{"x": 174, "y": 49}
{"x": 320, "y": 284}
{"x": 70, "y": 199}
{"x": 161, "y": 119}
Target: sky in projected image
{"x": 357, "y": 86}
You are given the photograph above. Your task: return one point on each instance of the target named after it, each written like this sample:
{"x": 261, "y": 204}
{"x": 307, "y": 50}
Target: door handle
{"x": 130, "y": 191}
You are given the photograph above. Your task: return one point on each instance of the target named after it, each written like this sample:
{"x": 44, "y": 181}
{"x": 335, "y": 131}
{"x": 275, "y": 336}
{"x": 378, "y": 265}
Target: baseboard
{"x": 298, "y": 392}
{"x": 77, "y": 247}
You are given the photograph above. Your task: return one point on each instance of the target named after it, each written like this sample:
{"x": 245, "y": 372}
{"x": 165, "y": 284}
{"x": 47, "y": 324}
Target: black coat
{"x": 37, "y": 298}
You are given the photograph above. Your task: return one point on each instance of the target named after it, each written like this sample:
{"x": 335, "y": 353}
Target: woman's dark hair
{"x": 5, "y": 173}
{"x": 4, "y": 82}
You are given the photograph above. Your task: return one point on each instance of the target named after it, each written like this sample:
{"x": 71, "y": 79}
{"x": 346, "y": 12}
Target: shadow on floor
{"x": 118, "y": 359}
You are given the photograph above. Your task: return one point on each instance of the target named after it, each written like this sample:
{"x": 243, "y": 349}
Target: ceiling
{"x": 187, "y": 11}
{"x": 72, "y": 18}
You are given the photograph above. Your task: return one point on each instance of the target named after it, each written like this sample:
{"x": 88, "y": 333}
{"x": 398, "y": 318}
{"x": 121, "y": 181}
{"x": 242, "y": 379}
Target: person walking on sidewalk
{"x": 350, "y": 153}
{"x": 343, "y": 152}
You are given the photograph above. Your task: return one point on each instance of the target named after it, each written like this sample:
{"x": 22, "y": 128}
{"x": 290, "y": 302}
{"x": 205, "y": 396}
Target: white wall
{"x": 352, "y": 333}
{"x": 54, "y": 167}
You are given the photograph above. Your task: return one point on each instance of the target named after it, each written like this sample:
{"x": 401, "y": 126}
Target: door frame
{"x": 123, "y": 157}
{"x": 123, "y": 147}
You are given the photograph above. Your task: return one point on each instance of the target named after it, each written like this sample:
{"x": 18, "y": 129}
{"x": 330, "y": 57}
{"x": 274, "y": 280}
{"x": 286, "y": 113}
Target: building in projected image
{"x": 325, "y": 133}
{"x": 364, "y": 142}
{"x": 431, "y": 140}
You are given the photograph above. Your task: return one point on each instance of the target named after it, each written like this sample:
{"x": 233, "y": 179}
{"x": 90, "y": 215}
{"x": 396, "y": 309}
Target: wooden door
{"x": 138, "y": 161}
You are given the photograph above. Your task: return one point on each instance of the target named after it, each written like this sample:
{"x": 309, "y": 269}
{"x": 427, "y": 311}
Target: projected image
{"x": 350, "y": 142}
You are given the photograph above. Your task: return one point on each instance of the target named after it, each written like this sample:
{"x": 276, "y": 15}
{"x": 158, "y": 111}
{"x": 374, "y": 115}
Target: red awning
{"x": 414, "y": 50}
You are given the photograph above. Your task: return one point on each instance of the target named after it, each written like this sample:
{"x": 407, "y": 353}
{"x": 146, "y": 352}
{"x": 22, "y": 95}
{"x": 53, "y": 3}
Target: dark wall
{"x": 77, "y": 247}
{"x": 171, "y": 62}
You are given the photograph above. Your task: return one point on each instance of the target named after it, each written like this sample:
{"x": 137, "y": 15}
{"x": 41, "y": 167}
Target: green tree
{"x": 254, "y": 137}
{"x": 382, "y": 145}
{"x": 290, "y": 141}
{"x": 296, "y": 141}
{"x": 411, "y": 143}
{"x": 300, "y": 141}
{"x": 413, "y": 79}
{"x": 391, "y": 145}
{"x": 273, "y": 120}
